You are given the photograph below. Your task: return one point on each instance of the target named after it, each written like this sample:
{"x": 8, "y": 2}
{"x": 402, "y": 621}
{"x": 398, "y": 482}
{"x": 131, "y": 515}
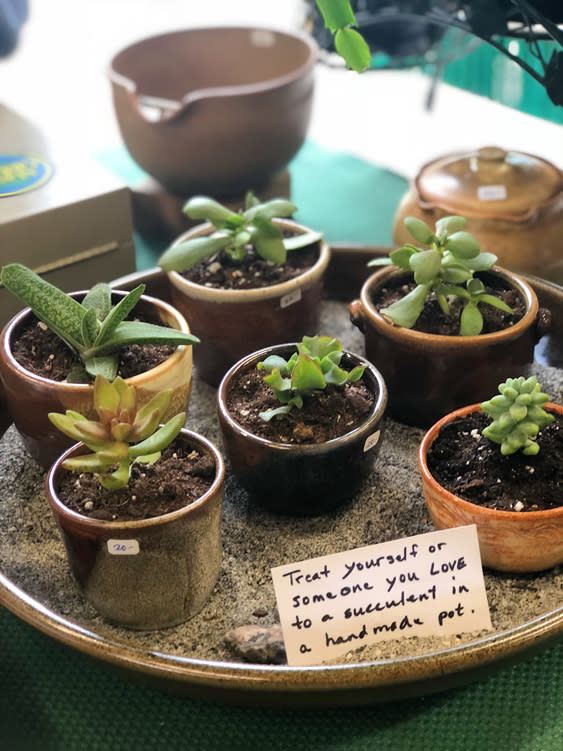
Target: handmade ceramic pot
{"x": 513, "y": 203}
{"x": 150, "y": 573}
{"x": 31, "y": 397}
{"x": 233, "y": 323}
{"x": 215, "y": 110}
{"x": 508, "y": 540}
{"x": 302, "y": 479}
{"x": 429, "y": 374}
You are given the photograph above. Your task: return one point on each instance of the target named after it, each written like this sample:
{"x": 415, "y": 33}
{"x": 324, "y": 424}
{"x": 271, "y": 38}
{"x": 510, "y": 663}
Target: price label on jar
{"x": 491, "y": 193}
{"x": 291, "y": 298}
{"x": 123, "y": 547}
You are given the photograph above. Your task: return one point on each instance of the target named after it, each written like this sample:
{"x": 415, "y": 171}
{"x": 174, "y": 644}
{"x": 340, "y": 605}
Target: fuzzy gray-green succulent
{"x": 452, "y": 258}
{"x": 93, "y": 329}
{"x": 518, "y": 415}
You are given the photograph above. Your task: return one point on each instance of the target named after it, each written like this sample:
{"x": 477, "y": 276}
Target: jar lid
{"x": 489, "y": 183}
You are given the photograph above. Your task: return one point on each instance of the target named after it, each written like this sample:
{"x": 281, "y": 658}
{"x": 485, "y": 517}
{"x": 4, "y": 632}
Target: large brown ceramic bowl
{"x": 214, "y": 110}
{"x": 508, "y": 540}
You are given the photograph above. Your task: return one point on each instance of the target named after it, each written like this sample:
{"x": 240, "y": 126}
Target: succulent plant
{"x": 122, "y": 435}
{"x": 315, "y": 365}
{"x": 92, "y": 329}
{"x": 235, "y": 231}
{"x": 517, "y": 415}
{"x": 452, "y": 258}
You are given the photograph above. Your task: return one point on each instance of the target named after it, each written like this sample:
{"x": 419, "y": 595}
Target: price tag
{"x": 491, "y": 193}
{"x": 291, "y": 298}
{"x": 424, "y": 585}
{"x": 372, "y": 440}
{"x": 123, "y": 547}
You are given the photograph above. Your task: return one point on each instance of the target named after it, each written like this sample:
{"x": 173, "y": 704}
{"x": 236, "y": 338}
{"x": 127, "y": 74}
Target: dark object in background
{"x": 13, "y": 15}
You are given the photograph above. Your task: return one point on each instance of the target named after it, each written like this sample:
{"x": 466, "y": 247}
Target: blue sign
{"x": 20, "y": 173}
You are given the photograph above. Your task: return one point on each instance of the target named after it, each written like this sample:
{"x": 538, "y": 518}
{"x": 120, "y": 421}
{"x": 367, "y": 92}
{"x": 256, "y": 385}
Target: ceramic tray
{"x": 355, "y": 683}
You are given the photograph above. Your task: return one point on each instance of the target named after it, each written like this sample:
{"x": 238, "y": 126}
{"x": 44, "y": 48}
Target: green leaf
{"x": 268, "y": 241}
{"x": 161, "y": 439}
{"x": 277, "y": 207}
{"x": 495, "y": 302}
{"x": 320, "y": 346}
{"x": 283, "y": 410}
{"x": 117, "y": 479}
{"x": 336, "y": 13}
{"x": 353, "y": 49}
{"x": 118, "y": 314}
{"x": 89, "y": 327}
{"x": 66, "y": 424}
{"x": 307, "y": 375}
{"x": 381, "y": 262}
{"x": 184, "y": 256}
{"x": 136, "y": 332}
{"x": 271, "y": 362}
{"x": 463, "y": 245}
{"x": 426, "y": 266}
{"x": 98, "y": 299}
{"x": 455, "y": 274}
{"x": 406, "y": 311}
{"x": 419, "y": 230}
{"x": 87, "y": 463}
{"x": 482, "y": 262}
{"x": 280, "y": 385}
{"x": 105, "y": 366}
{"x": 301, "y": 241}
{"x": 205, "y": 208}
{"x": 61, "y": 313}
{"x": 471, "y": 321}
{"x": 400, "y": 257}
{"x": 450, "y": 224}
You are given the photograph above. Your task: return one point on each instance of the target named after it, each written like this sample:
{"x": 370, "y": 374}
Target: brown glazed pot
{"x": 30, "y": 397}
{"x": 302, "y": 479}
{"x": 513, "y": 203}
{"x": 214, "y": 110}
{"x": 508, "y": 540}
{"x": 233, "y": 323}
{"x": 429, "y": 375}
{"x": 177, "y": 560}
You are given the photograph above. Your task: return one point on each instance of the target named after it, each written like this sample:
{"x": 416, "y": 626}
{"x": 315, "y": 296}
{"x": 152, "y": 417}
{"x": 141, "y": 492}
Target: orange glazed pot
{"x": 508, "y": 540}
{"x": 30, "y": 397}
{"x": 429, "y": 375}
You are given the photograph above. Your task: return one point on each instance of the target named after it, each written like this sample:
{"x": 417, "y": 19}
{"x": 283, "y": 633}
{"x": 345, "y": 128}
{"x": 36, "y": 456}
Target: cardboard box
{"x": 61, "y": 214}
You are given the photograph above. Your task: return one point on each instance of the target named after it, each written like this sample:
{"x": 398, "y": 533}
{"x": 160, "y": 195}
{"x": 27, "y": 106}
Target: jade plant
{"x": 314, "y": 365}
{"x": 123, "y": 433}
{"x": 518, "y": 415}
{"x": 449, "y": 260}
{"x": 235, "y": 232}
{"x": 93, "y": 329}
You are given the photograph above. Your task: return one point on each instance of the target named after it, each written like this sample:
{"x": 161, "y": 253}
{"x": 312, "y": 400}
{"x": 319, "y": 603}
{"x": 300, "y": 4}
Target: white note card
{"x": 426, "y": 585}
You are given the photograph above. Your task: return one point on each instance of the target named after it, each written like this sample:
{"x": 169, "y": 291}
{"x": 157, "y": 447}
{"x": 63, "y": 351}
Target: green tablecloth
{"x": 55, "y": 699}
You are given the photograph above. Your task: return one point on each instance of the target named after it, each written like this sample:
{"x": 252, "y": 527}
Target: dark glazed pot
{"x": 429, "y": 375}
{"x": 214, "y": 110}
{"x": 508, "y": 540}
{"x": 30, "y": 397}
{"x": 174, "y": 559}
{"x": 302, "y": 479}
{"x": 233, "y": 323}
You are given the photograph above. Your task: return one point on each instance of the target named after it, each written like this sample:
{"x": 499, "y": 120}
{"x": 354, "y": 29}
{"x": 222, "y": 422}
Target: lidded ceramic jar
{"x": 513, "y": 203}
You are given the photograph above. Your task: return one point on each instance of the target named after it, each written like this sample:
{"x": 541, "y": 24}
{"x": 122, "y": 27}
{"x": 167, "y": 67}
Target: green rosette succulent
{"x": 450, "y": 260}
{"x": 234, "y": 231}
{"x": 122, "y": 435}
{"x": 315, "y": 365}
{"x": 518, "y": 415}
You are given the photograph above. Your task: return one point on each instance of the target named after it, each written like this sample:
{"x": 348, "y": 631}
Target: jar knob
{"x": 491, "y": 154}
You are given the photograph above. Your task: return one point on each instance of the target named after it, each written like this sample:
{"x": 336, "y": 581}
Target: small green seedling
{"x": 452, "y": 258}
{"x": 517, "y": 415}
{"x": 315, "y": 365}
{"x": 93, "y": 329}
{"x": 122, "y": 435}
{"x": 235, "y": 231}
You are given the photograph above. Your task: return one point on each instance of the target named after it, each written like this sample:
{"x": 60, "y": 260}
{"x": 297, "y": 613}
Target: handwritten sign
{"x": 424, "y": 585}
{"x": 123, "y": 547}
